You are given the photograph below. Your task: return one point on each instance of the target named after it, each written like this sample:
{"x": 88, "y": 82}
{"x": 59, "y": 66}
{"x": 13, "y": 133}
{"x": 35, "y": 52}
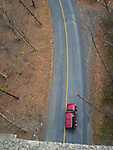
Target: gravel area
{"x": 8, "y": 142}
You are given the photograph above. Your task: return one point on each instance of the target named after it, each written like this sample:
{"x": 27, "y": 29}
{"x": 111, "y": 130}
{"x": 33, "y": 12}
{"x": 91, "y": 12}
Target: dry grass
{"x": 28, "y": 71}
{"x": 103, "y": 95}
{"x": 101, "y": 89}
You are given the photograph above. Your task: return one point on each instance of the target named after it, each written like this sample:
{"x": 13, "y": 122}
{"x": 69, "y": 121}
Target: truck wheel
{"x": 75, "y": 125}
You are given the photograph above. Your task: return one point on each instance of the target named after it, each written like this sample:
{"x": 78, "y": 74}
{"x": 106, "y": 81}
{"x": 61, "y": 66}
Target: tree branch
{"x": 33, "y": 4}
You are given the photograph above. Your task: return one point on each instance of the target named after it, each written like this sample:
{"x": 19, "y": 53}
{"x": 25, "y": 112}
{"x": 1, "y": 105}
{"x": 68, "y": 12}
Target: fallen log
{"x": 8, "y": 93}
{"x": 30, "y": 12}
{"x": 11, "y": 122}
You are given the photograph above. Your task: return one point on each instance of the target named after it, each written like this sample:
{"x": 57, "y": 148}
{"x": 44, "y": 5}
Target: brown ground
{"x": 100, "y": 92}
{"x": 28, "y": 71}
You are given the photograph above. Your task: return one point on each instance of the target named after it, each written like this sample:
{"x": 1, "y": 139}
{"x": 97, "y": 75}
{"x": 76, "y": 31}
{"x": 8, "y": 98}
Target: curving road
{"x": 69, "y": 75}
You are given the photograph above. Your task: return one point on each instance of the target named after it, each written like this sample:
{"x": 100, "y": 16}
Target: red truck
{"x": 70, "y": 117}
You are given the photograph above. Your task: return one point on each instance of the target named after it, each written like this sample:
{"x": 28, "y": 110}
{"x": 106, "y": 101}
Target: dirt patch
{"x": 100, "y": 77}
{"x": 27, "y": 68}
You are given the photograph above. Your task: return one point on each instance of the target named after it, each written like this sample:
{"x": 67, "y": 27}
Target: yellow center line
{"x": 67, "y": 62}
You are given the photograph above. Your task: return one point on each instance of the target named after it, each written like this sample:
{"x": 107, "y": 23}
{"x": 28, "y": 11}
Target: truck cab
{"x": 71, "y": 116}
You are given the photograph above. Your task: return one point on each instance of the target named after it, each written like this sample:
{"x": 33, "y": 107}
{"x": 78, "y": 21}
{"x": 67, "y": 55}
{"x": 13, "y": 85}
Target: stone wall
{"x": 10, "y": 142}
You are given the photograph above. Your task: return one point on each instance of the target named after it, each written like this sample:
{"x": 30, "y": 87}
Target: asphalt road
{"x": 69, "y": 75}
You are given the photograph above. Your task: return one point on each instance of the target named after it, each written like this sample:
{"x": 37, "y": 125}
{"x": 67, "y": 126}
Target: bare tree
{"x": 106, "y": 4}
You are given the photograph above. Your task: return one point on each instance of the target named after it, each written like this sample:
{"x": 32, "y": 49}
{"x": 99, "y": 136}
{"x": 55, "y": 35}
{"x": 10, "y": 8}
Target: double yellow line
{"x": 67, "y": 60}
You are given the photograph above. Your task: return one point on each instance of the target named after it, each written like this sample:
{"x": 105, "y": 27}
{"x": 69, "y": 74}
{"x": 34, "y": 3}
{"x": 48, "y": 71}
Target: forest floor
{"x": 97, "y": 22}
{"x": 25, "y": 68}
